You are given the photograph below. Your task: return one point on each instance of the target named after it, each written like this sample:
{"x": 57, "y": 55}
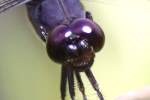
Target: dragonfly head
{"x": 75, "y": 44}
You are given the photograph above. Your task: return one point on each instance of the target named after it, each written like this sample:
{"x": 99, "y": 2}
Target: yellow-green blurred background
{"x": 26, "y": 73}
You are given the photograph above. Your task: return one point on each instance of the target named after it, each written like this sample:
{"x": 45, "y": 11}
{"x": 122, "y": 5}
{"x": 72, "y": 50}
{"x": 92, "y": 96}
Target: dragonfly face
{"x": 76, "y": 44}
{"x": 71, "y": 37}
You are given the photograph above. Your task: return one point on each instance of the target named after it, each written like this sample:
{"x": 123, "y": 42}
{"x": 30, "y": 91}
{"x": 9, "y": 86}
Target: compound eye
{"x": 55, "y": 43}
{"x": 71, "y": 50}
{"x": 89, "y": 30}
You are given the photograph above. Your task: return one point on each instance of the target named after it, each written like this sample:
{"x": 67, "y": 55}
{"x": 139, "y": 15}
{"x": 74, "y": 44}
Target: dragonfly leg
{"x": 63, "y": 82}
{"x": 88, "y": 15}
{"x": 34, "y": 16}
{"x": 94, "y": 83}
{"x": 80, "y": 85}
{"x": 71, "y": 82}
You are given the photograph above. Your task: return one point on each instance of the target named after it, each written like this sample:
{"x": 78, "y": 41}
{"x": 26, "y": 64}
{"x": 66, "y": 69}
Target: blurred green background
{"x": 26, "y": 72}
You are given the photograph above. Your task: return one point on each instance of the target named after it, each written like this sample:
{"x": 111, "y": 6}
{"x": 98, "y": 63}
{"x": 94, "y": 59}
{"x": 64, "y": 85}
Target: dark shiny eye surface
{"x": 89, "y": 30}
{"x": 67, "y": 42}
{"x": 55, "y": 43}
{"x": 71, "y": 50}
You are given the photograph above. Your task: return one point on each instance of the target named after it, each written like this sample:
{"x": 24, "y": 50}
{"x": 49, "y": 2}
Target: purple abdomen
{"x": 53, "y": 15}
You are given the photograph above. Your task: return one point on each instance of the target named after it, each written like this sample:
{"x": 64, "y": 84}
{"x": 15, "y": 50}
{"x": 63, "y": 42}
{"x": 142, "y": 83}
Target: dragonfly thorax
{"x": 53, "y": 14}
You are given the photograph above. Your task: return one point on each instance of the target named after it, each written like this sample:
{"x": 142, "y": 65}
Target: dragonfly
{"x": 71, "y": 36}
